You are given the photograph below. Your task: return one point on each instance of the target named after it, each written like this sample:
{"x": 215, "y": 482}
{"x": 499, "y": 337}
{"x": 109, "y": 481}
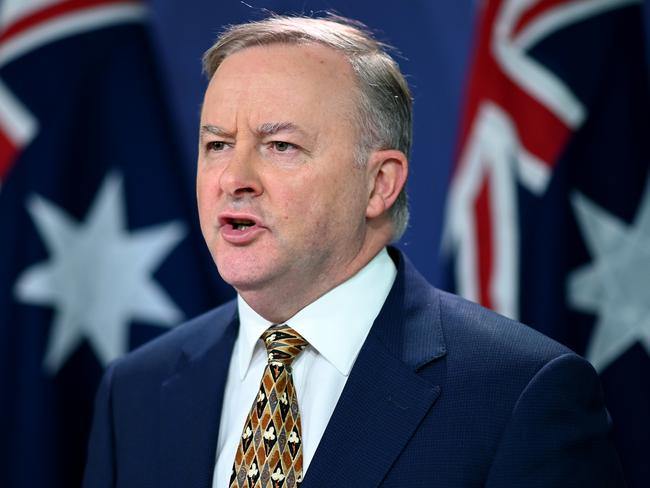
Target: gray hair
{"x": 384, "y": 106}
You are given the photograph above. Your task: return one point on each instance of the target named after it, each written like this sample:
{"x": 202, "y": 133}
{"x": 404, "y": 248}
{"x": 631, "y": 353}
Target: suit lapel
{"x": 384, "y": 399}
{"x": 375, "y": 417}
{"x": 190, "y": 408}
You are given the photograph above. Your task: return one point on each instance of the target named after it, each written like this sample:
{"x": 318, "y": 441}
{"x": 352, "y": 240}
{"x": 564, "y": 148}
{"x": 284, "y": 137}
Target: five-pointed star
{"x": 615, "y": 285}
{"x": 99, "y": 275}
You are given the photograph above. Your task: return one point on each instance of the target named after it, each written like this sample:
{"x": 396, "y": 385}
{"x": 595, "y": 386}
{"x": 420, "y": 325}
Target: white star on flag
{"x": 99, "y": 276}
{"x": 614, "y": 286}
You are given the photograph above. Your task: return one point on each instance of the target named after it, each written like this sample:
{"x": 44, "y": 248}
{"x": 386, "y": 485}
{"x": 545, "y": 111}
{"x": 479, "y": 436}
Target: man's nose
{"x": 240, "y": 178}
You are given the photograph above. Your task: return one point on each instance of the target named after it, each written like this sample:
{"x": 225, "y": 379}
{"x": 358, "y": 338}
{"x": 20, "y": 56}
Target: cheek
{"x": 322, "y": 201}
{"x": 207, "y": 200}
{"x": 202, "y": 203}
{"x": 299, "y": 217}
{"x": 295, "y": 197}
{"x": 207, "y": 188}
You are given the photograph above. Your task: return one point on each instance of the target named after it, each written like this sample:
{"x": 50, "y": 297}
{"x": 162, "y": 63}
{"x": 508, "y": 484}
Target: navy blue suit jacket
{"x": 443, "y": 394}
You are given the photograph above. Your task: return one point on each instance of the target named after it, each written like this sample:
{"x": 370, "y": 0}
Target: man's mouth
{"x": 240, "y": 229}
{"x": 241, "y": 224}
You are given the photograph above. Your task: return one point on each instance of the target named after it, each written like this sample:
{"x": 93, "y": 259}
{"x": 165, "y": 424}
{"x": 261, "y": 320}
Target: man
{"x": 369, "y": 377}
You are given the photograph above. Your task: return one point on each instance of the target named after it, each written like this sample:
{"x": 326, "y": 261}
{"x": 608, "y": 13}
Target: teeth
{"x": 241, "y": 224}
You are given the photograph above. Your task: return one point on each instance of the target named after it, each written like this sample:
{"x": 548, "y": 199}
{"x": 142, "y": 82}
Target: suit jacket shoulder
{"x": 157, "y": 410}
{"x": 447, "y": 393}
{"x": 162, "y": 355}
{"x": 491, "y": 344}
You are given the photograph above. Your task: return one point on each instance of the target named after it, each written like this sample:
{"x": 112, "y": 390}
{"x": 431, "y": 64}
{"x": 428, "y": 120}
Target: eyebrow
{"x": 263, "y": 130}
{"x": 215, "y": 130}
{"x": 271, "y": 128}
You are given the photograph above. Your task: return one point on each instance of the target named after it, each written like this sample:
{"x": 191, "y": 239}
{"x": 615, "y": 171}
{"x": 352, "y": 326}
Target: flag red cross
{"x": 518, "y": 119}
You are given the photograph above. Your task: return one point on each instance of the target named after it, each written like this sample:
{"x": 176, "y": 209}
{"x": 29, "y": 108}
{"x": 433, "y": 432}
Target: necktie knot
{"x": 283, "y": 344}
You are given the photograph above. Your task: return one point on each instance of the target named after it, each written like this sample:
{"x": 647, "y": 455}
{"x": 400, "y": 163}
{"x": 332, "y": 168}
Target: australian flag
{"x": 548, "y": 214}
{"x": 100, "y": 249}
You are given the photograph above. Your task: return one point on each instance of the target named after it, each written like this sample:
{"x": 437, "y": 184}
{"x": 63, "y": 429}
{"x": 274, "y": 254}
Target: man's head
{"x": 304, "y": 133}
{"x": 384, "y": 114}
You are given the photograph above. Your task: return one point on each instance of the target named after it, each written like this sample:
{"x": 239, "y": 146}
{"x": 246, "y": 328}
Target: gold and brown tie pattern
{"x": 269, "y": 454}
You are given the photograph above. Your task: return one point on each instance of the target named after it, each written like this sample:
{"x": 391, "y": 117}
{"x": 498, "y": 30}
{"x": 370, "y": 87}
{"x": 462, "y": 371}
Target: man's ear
{"x": 387, "y": 170}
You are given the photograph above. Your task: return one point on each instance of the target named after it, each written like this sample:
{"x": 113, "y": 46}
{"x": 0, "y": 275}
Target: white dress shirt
{"x": 336, "y": 326}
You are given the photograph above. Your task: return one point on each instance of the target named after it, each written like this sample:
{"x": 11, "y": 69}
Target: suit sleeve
{"x": 100, "y": 461}
{"x": 559, "y": 432}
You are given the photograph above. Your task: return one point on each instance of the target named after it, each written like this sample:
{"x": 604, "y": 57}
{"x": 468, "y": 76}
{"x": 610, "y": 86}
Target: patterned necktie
{"x": 269, "y": 454}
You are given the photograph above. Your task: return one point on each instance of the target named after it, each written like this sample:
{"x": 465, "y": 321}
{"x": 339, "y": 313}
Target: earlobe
{"x": 388, "y": 170}
{"x": 376, "y": 206}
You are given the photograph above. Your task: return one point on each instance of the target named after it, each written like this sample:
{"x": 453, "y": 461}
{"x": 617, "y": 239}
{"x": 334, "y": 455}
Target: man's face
{"x": 281, "y": 204}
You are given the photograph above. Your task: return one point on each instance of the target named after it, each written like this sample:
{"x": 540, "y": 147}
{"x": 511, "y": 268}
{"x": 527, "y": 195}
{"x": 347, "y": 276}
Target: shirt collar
{"x": 347, "y": 311}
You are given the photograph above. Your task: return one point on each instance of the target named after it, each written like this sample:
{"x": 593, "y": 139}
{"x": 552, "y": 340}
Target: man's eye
{"x": 282, "y": 146}
{"x": 215, "y": 146}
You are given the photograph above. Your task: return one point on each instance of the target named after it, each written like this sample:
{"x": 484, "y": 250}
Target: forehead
{"x": 308, "y": 78}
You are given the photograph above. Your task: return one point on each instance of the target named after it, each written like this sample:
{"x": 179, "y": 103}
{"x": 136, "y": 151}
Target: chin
{"x": 249, "y": 268}
{"x": 243, "y": 277}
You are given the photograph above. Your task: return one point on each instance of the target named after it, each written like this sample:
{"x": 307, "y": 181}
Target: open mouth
{"x": 241, "y": 228}
{"x": 240, "y": 224}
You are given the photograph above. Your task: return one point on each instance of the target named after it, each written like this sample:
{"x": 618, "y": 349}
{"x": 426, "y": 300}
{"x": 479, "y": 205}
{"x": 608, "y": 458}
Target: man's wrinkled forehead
{"x": 317, "y": 51}
{"x": 292, "y": 74}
